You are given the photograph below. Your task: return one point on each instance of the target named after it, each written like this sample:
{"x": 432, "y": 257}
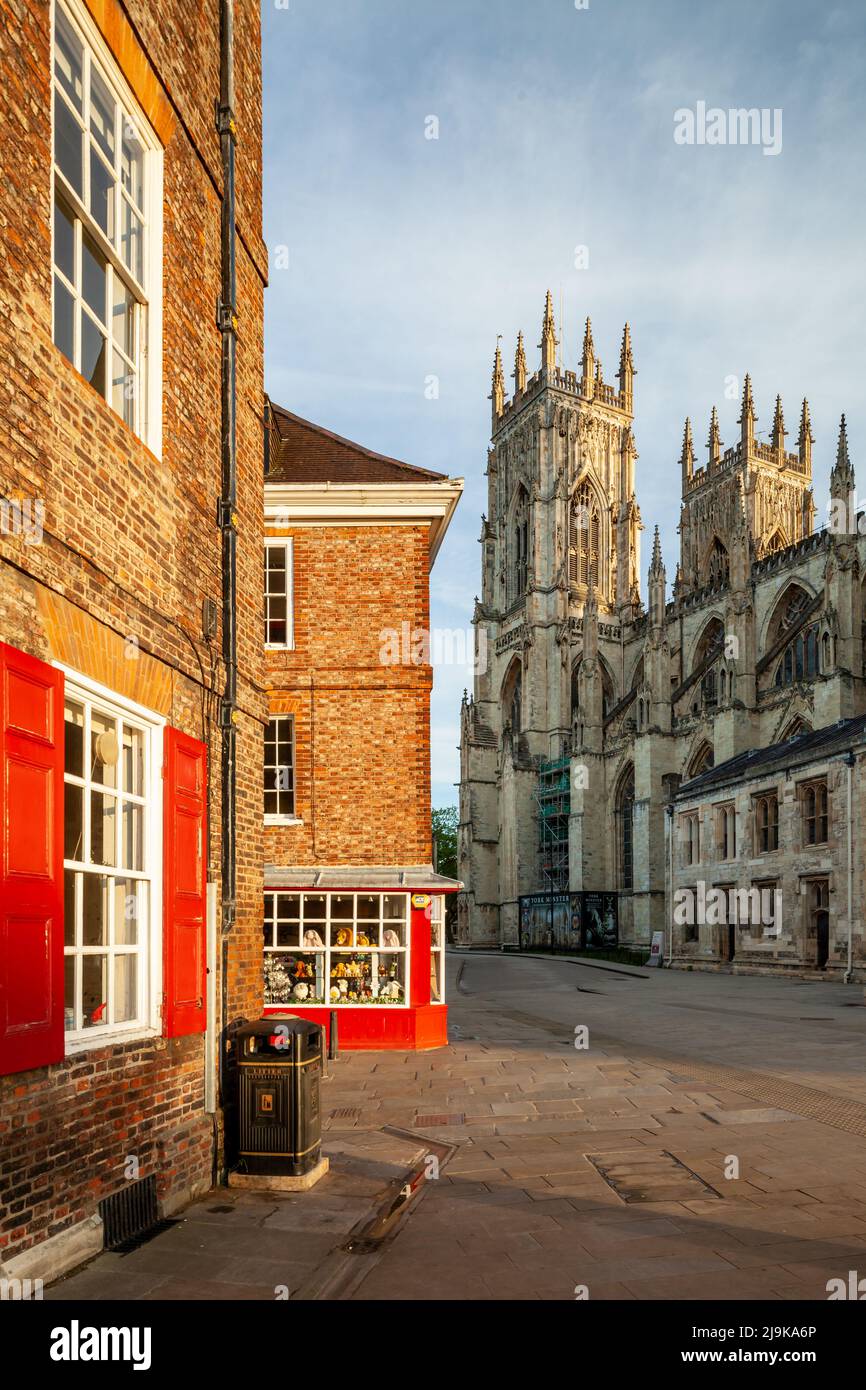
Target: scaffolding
{"x": 553, "y": 798}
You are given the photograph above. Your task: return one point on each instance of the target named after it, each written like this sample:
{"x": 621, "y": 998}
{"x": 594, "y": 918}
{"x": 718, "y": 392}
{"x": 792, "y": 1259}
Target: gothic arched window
{"x": 585, "y": 538}
{"x": 712, "y": 642}
{"x": 718, "y": 564}
{"x": 519, "y": 545}
{"x": 625, "y": 830}
{"x": 512, "y": 697}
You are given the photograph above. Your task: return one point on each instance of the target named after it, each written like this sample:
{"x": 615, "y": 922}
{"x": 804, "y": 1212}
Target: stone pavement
{"x": 602, "y": 1169}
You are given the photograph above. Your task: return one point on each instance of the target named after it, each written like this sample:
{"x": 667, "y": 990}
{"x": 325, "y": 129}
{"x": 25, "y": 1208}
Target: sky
{"x": 396, "y": 257}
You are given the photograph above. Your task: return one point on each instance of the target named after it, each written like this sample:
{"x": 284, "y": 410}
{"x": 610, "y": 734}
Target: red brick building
{"x": 130, "y": 527}
{"x": 353, "y": 911}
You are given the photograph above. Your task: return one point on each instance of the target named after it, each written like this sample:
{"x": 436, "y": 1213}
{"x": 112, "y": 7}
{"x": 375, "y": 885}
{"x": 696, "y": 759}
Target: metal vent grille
{"x": 130, "y": 1213}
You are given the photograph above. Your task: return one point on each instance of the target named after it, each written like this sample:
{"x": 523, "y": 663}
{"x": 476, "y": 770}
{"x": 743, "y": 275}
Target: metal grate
{"x": 130, "y": 1213}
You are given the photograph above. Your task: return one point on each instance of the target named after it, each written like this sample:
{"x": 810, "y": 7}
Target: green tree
{"x": 445, "y": 837}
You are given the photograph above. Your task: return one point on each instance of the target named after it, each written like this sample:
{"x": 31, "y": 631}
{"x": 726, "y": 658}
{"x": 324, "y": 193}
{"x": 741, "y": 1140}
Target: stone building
{"x": 765, "y": 860}
{"x": 350, "y": 539}
{"x": 594, "y": 709}
{"x": 129, "y": 669}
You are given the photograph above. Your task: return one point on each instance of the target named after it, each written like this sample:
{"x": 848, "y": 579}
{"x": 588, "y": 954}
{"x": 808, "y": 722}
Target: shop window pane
{"x": 103, "y": 816}
{"x": 95, "y": 911}
{"x": 435, "y": 977}
{"x": 93, "y": 276}
{"x": 352, "y": 978}
{"x": 64, "y": 242}
{"x": 342, "y": 907}
{"x": 391, "y": 977}
{"x": 64, "y": 320}
{"x": 394, "y": 934}
{"x": 68, "y": 60}
{"x": 102, "y": 111}
{"x": 295, "y": 977}
{"x": 368, "y": 907}
{"x": 92, "y": 354}
{"x": 69, "y": 907}
{"x": 101, "y": 194}
{"x": 73, "y": 822}
{"x": 314, "y": 936}
{"x": 314, "y": 907}
{"x": 126, "y": 911}
{"x": 74, "y": 735}
{"x": 342, "y": 935}
{"x": 68, "y": 140}
{"x": 95, "y": 990}
{"x": 125, "y": 988}
{"x": 394, "y": 907}
{"x": 132, "y": 836}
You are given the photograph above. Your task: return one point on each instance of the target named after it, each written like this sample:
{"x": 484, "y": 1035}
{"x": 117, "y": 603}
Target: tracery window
{"x": 585, "y": 540}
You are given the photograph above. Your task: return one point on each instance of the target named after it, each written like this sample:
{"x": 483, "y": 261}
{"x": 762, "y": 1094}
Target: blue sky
{"x": 407, "y": 256}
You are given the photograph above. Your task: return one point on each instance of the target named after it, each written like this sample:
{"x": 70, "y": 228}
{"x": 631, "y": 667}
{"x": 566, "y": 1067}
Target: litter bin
{"x": 279, "y": 1071}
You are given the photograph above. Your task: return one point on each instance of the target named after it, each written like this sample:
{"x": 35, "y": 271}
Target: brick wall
{"x": 362, "y": 728}
{"x": 129, "y": 553}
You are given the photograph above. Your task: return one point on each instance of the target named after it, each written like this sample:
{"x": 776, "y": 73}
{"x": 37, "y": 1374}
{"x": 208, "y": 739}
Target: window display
{"x": 336, "y": 948}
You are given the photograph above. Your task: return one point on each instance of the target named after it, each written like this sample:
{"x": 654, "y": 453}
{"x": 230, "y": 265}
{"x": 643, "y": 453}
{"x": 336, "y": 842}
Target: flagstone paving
{"x": 734, "y": 1117}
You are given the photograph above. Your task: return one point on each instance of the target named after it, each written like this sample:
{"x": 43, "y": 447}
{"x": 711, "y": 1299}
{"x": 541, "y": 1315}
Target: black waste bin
{"x": 279, "y": 1070}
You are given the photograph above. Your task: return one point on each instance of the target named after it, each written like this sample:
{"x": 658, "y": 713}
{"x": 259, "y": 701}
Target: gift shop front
{"x": 364, "y": 946}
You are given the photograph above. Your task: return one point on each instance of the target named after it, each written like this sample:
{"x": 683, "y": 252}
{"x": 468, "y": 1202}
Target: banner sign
{"x": 568, "y": 921}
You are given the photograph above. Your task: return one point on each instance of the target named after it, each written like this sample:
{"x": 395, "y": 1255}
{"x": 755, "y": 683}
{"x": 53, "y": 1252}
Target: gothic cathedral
{"x": 592, "y": 709}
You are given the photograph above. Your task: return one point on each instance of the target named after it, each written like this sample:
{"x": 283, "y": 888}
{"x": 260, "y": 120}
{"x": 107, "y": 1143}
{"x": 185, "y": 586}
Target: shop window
{"x": 437, "y": 949}
{"x": 336, "y": 949}
{"x": 766, "y": 811}
{"x": 279, "y": 618}
{"x": 279, "y": 770}
{"x": 813, "y": 801}
{"x": 108, "y": 866}
{"x": 107, "y": 226}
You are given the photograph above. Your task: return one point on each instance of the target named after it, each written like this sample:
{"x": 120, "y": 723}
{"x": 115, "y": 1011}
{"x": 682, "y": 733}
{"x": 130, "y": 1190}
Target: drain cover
{"x": 650, "y": 1177}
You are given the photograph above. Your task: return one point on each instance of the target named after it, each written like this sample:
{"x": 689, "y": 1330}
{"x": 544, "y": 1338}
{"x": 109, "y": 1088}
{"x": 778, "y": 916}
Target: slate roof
{"x": 301, "y": 452}
{"x": 806, "y": 747}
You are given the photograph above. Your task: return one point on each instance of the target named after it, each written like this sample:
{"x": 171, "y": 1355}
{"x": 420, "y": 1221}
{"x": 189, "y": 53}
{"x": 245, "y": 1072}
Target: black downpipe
{"x": 227, "y": 518}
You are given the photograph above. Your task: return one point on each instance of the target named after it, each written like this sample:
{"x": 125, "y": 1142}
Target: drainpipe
{"x": 227, "y": 507}
{"x": 849, "y": 768}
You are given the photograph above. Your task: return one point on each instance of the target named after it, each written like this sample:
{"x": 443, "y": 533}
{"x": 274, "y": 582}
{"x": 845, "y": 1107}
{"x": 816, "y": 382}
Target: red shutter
{"x": 184, "y": 900}
{"x": 31, "y": 862}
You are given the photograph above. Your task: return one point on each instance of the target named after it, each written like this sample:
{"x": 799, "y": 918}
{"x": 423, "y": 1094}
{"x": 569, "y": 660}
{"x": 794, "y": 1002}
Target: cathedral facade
{"x": 595, "y": 713}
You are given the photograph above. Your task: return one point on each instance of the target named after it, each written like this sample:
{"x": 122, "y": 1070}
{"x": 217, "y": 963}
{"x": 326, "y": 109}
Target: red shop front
{"x": 365, "y": 945}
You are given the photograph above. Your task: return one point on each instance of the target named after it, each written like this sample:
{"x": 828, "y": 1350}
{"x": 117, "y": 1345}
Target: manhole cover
{"x": 650, "y": 1177}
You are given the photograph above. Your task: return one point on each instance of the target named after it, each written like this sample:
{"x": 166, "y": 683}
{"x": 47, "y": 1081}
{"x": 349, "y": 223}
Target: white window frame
{"x": 437, "y": 953}
{"x": 149, "y": 1023}
{"x": 286, "y": 544}
{"x": 283, "y": 817}
{"x": 331, "y": 953}
{"x": 147, "y": 413}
